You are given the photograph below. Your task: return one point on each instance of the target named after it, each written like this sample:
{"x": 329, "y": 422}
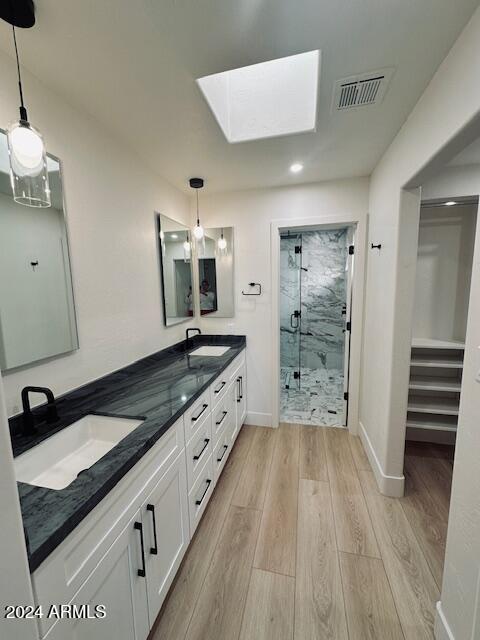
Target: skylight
{"x": 274, "y": 98}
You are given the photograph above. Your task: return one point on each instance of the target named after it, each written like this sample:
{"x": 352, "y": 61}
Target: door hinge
{"x": 351, "y": 250}
{"x": 297, "y": 314}
{"x": 349, "y": 326}
{"x": 298, "y": 249}
{"x": 345, "y": 395}
{"x": 296, "y": 375}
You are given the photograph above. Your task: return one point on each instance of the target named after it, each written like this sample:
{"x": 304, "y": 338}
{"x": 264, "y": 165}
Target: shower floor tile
{"x": 319, "y": 401}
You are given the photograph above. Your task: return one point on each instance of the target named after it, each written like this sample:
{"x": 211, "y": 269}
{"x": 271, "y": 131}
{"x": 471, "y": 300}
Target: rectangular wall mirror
{"x": 175, "y": 257}
{"x": 37, "y": 313}
{"x": 215, "y": 273}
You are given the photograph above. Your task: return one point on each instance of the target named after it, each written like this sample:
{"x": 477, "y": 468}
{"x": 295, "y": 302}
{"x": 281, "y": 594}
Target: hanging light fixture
{"x": 26, "y": 149}
{"x": 198, "y": 232}
{"x": 187, "y": 248}
{"x": 222, "y": 244}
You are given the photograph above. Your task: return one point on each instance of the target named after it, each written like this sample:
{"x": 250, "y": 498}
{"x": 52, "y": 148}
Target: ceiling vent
{"x": 361, "y": 90}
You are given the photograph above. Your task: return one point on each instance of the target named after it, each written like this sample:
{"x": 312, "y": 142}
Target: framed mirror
{"x": 215, "y": 273}
{"x": 175, "y": 258}
{"x": 37, "y": 312}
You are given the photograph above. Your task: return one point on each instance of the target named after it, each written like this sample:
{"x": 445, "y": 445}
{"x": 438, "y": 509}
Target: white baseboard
{"x": 442, "y": 628}
{"x": 392, "y": 486}
{"x": 256, "y": 419}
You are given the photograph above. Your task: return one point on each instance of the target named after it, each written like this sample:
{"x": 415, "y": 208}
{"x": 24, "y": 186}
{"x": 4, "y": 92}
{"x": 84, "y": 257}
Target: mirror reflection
{"x": 37, "y": 314}
{"x": 176, "y": 270}
{"x": 215, "y": 270}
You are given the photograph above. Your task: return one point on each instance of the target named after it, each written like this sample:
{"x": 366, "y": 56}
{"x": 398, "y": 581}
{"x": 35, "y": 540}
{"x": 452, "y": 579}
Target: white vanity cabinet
{"x": 125, "y": 553}
{"x": 114, "y": 583}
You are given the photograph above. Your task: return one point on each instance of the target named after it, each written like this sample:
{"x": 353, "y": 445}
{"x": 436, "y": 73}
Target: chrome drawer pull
{"x": 199, "y": 502}
{"x": 199, "y": 455}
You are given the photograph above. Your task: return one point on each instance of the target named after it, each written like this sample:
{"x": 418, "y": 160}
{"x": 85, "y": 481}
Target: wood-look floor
{"x": 297, "y": 543}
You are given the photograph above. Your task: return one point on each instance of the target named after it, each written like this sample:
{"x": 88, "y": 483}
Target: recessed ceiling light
{"x": 296, "y": 167}
{"x": 450, "y": 203}
{"x": 174, "y": 236}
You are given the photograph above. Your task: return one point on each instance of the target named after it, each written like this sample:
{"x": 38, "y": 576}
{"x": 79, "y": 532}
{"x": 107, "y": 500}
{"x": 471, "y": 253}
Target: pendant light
{"x": 222, "y": 244}
{"x": 187, "y": 249}
{"x": 198, "y": 232}
{"x": 26, "y": 149}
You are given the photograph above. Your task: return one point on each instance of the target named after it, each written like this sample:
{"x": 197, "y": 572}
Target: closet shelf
{"x": 434, "y": 383}
{"x": 431, "y": 343}
{"x": 433, "y": 405}
{"x": 430, "y": 425}
{"x": 443, "y": 362}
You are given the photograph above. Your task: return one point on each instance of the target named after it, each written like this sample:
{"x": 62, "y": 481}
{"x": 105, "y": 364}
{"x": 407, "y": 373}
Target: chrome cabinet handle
{"x": 199, "y": 502}
{"x": 154, "y": 549}
{"x": 225, "y": 447}
{"x": 194, "y": 418}
{"x": 139, "y": 527}
{"x": 199, "y": 455}
{"x": 222, "y": 418}
{"x": 240, "y": 388}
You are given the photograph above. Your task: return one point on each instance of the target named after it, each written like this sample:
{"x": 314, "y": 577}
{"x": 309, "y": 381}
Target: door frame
{"x": 307, "y": 224}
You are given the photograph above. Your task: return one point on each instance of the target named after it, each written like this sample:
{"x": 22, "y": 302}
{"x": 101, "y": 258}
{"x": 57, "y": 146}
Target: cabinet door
{"x": 166, "y": 530}
{"x": 116, "y": 584}
{"x": 241, "y": 395}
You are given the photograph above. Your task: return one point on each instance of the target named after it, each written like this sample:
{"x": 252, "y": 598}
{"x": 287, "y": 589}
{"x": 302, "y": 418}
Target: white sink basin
{"x": 57, "y": 461}
{"x": 208, "y": 350}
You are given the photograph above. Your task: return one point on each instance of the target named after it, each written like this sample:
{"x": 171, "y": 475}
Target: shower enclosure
{"x": 315, "y": 295}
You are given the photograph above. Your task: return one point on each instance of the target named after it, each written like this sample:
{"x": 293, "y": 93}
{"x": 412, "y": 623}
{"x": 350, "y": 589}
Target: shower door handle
{"x": 296, "y": 314}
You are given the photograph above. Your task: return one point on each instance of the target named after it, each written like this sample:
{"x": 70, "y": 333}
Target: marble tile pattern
{"x": 315, "y": 282}
{"x": 317, "y": 400}
{"x": 157, "y": 389}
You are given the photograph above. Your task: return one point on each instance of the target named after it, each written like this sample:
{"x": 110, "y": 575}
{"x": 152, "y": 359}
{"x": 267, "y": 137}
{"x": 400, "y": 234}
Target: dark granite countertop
{"x": 157, "y": 389}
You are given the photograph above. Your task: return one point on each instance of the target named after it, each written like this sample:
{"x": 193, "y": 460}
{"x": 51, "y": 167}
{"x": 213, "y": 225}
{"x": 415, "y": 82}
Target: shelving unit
{"x": 436, "y": 368}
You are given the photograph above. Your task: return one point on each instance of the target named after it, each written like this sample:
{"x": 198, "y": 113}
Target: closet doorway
{"x": 316, "y": 269}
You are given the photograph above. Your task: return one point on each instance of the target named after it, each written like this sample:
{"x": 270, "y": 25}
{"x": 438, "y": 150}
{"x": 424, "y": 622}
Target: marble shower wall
{"x": 322, "y": 289}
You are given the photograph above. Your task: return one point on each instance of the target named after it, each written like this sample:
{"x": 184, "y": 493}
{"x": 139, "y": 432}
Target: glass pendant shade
{"x": 198, "y": 231}
{"x": 28, "y": 165}
{"x": 222, "y": 244}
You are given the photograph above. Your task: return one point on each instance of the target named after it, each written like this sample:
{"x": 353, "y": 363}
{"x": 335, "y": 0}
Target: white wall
{"x": 443, "y": 273}
{"x": 450, "y": 102}
{"x": 251, "y": 213}
{"x": 110, "y": 199}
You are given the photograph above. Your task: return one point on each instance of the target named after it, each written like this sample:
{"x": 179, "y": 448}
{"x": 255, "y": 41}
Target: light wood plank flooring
{"x": 298, "y": 544}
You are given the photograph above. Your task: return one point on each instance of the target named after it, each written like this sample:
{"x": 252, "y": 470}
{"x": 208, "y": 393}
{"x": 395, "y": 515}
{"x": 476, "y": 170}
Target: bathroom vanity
{"x": 116, "y": 535}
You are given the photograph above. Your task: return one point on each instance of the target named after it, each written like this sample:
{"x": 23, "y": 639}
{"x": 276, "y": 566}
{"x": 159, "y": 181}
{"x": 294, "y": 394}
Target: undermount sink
{"x": 57, "y": 461}
{"x": 208, "y": 350}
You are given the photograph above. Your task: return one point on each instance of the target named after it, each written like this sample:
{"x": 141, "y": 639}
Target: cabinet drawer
{"x": 64, "y": 571}
{"x": 236, "y": 364}
{"x": 219, "y": 388}
{"x": 221, "y": 452}
{"x": 222, "y": 417}
{"x": 200, "y": 494}
{"x": 196, "y": 414}
{"x": 198, "y": 450}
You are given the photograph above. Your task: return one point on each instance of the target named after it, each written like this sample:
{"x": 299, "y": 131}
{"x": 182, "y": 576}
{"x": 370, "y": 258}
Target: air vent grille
{"x": 361, "y": 91}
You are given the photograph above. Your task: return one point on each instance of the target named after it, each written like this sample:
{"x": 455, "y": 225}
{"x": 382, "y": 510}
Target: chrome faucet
{"x": 28, "y": 417}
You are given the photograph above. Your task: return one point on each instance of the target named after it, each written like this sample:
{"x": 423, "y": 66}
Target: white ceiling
{"x": 133, "y": 65}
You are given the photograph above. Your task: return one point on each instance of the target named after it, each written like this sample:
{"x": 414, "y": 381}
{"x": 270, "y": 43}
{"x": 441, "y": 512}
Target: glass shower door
{"x": 290, "y": 309}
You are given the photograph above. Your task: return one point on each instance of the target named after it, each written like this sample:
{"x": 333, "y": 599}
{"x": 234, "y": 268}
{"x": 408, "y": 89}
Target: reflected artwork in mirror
{"x": 37, "y": 312}
{"x": 215, "y": 273}
{"x": 175, "y": 257}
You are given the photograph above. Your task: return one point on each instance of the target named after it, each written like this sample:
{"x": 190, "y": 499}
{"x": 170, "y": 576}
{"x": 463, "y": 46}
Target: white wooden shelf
{"x": 434, "y": 383}
{"x": 433, "y": 405}
{"x": 436, "y": 368}
{"x": 431, "y": 343}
